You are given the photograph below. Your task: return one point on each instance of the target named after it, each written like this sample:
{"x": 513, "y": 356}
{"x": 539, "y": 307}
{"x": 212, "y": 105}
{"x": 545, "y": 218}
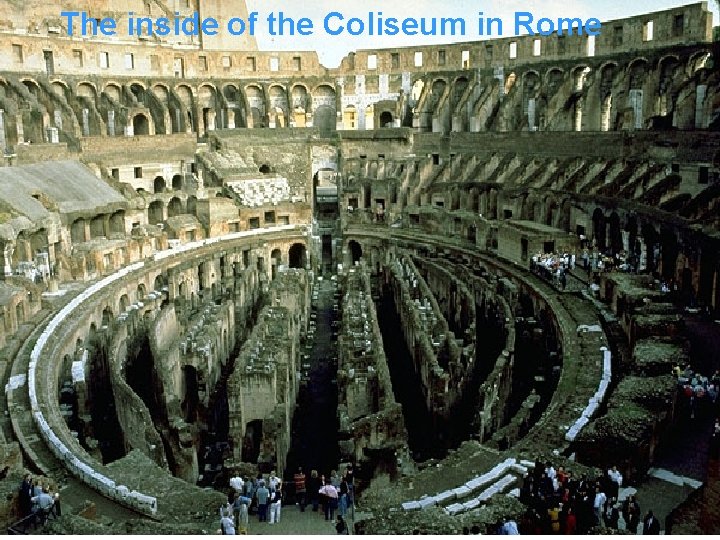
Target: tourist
{"x": 340, "y": 526}
{"x": 570, "y": 522}
{"x": 343, "y": 500}
{"x": 236, "y": 482}
{"x": 240, "y": 507}
{"x": 276, "y": 504}
{"x": 612, "y": 514}
{"x": 554, "y": 518}
{"x": 42, "y": 504}
{"x": 226, "y": 525}
{"x": 599, "y": 505}
{"x": 226, "y": 510}
{"x": 509, "y": 527}
{"x": 263, "y": 496}
{"x": 299, "y": 480}
{"x": 25, "y": 495}
{"x": 651, "y": 525}
{"x": 313, "y": 486}
{"x": 616, "y": 481}
{"x": 273, "y": 481}
{"x": 249, "y": 488}
{"x": 321, "y": 495}
{"x": 331, "y": 500}
{"x": 631, "y": 513}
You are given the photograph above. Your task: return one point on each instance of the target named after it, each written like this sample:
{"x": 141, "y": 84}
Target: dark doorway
{"x": 386, "y": 119}
{"x": 327, "y": 252}
{"x": 158, "y": 184}
{"x": 297, "y": 256}
{"x": 355, "y": 251}
{"x": 141, "y": 126}
{"x": 251, "y": 441}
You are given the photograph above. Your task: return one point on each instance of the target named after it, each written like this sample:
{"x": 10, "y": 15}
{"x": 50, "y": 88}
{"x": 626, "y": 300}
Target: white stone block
{"x": 427, "y": 502}
{"x": 462, "y": 491}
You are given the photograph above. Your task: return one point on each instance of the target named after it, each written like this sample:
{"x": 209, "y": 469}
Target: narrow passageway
{"x": 422, "y": 435}
{"x": 314, "y": 442}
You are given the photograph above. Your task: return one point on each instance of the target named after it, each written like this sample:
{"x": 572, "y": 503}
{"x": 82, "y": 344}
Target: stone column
{"x": 231, "y": 119}
{"x": 8, "y": 250}
{"x": 531, "y": 114}
{"x": 53, "y": 135}
{"x": 111, "y": 123}
{"x": 700, "y": 93}
{"x": 3, "y": 140}
{"x": 58, "y": 119}
{"x": 20, "y": 129}
{"x": 86, "y": 122}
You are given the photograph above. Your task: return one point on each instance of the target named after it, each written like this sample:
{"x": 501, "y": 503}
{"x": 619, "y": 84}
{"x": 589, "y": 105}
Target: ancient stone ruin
{"x": 440, "y": 264}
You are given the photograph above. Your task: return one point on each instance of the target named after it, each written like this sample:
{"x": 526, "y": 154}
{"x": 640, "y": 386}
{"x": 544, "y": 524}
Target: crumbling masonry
{"x": 166, "y": 210}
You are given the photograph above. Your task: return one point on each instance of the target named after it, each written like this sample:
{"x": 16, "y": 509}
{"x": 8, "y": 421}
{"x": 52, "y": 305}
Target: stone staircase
{"x": 478, "y": 490}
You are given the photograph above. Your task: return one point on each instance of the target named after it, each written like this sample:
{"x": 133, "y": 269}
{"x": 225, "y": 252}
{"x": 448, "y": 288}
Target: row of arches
{"x": 610, "y": 95}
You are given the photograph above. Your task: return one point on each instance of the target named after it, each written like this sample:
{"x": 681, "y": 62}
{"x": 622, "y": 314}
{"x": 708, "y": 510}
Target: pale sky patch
{"x": 332, "y": 49}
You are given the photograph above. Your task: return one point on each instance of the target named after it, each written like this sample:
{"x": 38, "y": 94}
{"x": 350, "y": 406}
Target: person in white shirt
{"x": 275, "y": 504}
{"x": 227, "y": 525}
{"x": 237, "y": 483}
{"x": 599, "y": 505}
{"x": 616, "y": 481}
{"x": 510, "y": 527}
{"x": 273, "y": 481}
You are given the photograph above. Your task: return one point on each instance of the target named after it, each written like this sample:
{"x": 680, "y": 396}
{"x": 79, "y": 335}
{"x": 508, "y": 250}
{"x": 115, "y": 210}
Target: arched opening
{"x": 355, "y": 251}
{"x": 190, "y": 392}
{"x": 140, "y": 291}
{"x": 175, "y": 207}
{"x": 77, "y": 231}
{"x": 124, "y": 302}
{"x": 599, "y": 229}
{"x": 297, "y": 256}
{"x": 107, "y": 316}
{"x": 386, "y": 119}
{"x": 138, "y": 92}
{"x": 97, "y": 227}
{"x": 155, "y": 213}
{"x": 117, "y": 222}
{"x": 191, "y": 205}
{"x": 177, "y": 182}
{"x": 158, "y": 184}
{"x": 141, "y": 126}
{"x": 251, "y": 441}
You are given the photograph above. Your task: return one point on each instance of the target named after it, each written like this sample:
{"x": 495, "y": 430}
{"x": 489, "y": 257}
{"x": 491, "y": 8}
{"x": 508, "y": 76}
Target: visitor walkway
{"x": 293, "y": 521}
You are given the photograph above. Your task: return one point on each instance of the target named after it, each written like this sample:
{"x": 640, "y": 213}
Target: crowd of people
{"x": 36, "y": 502}
{"x": 553, "y": 267}
{"x": 265, "y": 495}
{"x": 560, "y": 503}
{"x": 332, "y": 493}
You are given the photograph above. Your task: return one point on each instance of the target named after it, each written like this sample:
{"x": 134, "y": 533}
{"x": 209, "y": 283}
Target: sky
{"x": 332, "y": 49}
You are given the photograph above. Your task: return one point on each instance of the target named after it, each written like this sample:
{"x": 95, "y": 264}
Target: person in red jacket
{"x": 570, "y": 522}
